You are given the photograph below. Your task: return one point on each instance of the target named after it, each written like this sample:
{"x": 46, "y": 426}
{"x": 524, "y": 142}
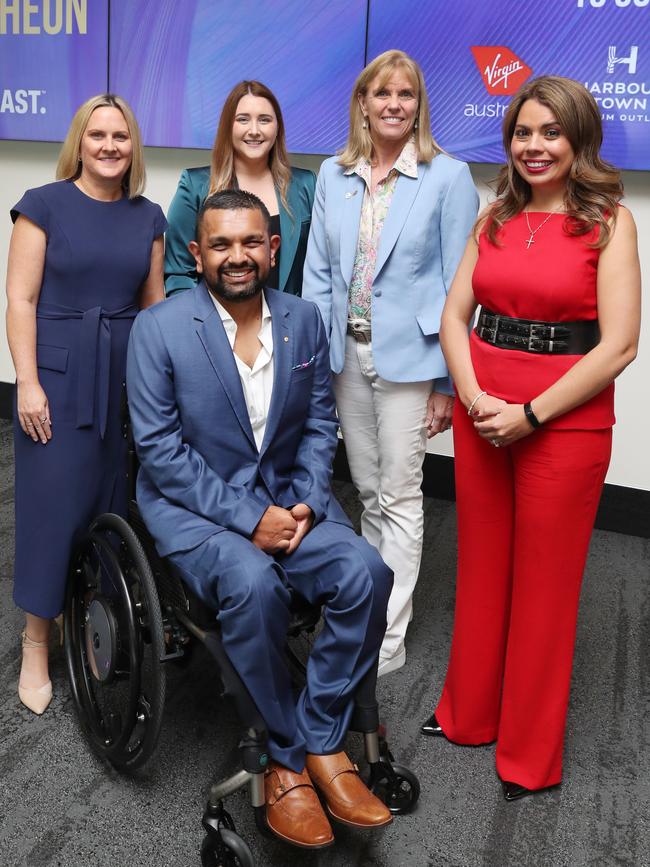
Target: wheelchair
{"x": 128, "y": 614}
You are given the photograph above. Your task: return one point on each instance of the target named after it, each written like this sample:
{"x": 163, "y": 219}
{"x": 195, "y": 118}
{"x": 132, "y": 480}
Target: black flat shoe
{"x": 513, "y": 791}
{"x": 432, "y": 728}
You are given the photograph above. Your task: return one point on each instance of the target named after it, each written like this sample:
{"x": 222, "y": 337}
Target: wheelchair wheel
{"x": 395, "y": 785}
{"x": 114, "y": 643}
{"x": 225, "y": 849}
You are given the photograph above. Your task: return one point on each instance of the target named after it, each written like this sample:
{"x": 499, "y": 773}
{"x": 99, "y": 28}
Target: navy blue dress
{"x": 97, "y": 258}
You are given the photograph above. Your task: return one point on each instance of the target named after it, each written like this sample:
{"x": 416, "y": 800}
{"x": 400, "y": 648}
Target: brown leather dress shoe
{"x": 293, "y": 811}
{"x": 347, "y": 797}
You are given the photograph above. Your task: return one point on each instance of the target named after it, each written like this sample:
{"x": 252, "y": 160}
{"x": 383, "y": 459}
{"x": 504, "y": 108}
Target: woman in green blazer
{"x": 250, "y": 153}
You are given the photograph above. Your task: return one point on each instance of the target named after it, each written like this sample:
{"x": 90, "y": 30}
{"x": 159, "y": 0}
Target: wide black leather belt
{"x": 529, "y": 335}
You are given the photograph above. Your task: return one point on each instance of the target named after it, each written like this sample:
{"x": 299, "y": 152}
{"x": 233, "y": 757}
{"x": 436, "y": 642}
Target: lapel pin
{"x": 286, "y": 339}
{"x": 350, "y": 193}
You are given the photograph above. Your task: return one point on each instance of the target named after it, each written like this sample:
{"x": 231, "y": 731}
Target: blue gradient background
{"x": 176, "y": 61}
{"x": 550, "y": 36}
{"x": 69, "y": 68}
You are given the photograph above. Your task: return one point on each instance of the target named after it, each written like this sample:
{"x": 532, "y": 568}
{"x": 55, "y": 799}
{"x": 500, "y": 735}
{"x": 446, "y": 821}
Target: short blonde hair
{"x": 69, "y": 166}
{"x": 359, "y": 144}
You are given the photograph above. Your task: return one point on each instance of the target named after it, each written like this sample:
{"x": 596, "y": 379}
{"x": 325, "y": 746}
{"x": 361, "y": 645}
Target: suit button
{"x": 377, "y": 293}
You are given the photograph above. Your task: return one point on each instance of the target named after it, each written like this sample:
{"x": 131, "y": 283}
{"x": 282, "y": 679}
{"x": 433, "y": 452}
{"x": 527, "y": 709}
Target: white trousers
{"x": 385, "y": 440}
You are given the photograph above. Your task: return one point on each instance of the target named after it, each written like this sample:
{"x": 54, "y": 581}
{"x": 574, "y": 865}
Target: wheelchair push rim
{"x": 114, "y": 642}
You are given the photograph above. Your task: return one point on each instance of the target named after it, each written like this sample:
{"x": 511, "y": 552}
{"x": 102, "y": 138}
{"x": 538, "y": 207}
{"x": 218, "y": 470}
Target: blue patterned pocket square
{"x": 304, "y": 364}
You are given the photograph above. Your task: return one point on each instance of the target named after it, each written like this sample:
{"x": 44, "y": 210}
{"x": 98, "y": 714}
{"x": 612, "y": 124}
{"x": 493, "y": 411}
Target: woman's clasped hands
{"x": 499, "y": 422}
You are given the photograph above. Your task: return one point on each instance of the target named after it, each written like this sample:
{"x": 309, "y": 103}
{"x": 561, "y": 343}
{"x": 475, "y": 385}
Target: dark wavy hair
{"x": 593, "y": 187}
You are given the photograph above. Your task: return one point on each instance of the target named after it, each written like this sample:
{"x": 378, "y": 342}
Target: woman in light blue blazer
{"x": 249, "y": 153}
{"x": 390, "y": 221}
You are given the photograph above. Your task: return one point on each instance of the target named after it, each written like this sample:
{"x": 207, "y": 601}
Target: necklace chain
{"x": 533, "y": 232}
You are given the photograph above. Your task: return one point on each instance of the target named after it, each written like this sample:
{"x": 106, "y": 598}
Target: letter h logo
{"x": 630, "y": 61}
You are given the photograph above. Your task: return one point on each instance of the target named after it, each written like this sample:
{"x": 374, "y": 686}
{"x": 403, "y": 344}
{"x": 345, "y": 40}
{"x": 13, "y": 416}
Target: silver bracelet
{"x": 478, "y": 397}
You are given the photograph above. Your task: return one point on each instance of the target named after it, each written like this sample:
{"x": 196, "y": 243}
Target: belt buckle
{"x": 534, "y": 338}
{"x": 360, "y": 333}
{"x": 492, "y": 330}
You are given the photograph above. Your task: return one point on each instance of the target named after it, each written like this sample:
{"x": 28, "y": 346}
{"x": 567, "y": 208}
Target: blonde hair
{"x": 222, "y": 166}
{"x": 593, "y": 187}
{"x": 69, "y": 165}
{"x": 359, "y": 144}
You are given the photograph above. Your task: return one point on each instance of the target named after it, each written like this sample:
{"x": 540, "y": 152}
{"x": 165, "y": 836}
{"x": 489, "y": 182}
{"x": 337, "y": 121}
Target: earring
{"x": 416, "y": 124}
{"x": 365, "y": 122}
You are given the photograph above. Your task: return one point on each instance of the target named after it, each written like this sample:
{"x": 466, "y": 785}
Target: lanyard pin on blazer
{"x": 351, "y": 193}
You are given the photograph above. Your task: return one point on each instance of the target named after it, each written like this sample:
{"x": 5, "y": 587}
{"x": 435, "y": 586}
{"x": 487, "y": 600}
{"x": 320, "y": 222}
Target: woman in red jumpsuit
{"x": 554, "y": 265}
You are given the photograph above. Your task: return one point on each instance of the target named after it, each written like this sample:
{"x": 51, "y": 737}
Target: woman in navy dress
{"x": 86, "y": 252}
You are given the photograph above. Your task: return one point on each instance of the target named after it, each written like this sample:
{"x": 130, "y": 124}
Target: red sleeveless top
{"x": 554, "y": 281}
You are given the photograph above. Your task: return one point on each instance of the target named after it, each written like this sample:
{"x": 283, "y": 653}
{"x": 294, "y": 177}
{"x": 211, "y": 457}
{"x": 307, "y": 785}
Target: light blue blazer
{"x": 421, "y": 244}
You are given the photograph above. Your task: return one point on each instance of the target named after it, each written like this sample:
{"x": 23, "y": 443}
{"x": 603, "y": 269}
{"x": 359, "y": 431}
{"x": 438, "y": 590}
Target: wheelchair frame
{"x": 127, "y": 614}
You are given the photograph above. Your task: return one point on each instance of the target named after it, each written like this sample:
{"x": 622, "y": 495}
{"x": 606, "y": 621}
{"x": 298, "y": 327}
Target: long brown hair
{"x": 69, "y": 164}
{"x": 222, "y": 167}
{"x": 359, "y": 143}
{"x": 593, "y": 186}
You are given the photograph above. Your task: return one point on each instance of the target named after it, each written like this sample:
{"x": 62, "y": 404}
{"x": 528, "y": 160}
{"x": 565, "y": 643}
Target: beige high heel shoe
{"x": 36, "y": 698}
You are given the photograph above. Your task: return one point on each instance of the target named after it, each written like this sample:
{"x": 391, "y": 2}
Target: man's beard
{"x": 242, "y": 293}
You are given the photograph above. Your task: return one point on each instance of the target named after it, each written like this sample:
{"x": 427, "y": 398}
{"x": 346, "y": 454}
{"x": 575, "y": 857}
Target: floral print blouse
{"x": 374, "y": 208}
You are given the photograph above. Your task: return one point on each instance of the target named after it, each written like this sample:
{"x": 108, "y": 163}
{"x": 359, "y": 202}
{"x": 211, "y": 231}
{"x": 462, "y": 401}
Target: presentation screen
{"x": 476, "y": 55}
{"x": 176, "y": 62}
{"x": 53, "y": 57}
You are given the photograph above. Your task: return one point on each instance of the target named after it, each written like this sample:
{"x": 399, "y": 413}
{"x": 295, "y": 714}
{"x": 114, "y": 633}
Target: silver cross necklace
{"x": 533, "y": 232}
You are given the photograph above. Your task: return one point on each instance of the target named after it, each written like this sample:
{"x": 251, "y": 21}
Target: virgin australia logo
{"x": 502, "y": 71}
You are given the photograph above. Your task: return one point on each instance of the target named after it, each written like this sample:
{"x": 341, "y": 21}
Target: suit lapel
{"x": 212, "y": 335}
{"x": 283, "y": 351}
{"x": 406, "y": 190}
{"x": 290, "y": 233}
{"x": 352, "y": 198}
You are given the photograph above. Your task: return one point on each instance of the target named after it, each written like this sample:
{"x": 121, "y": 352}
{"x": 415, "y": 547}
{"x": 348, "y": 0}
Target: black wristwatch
{"x": 530, "y": 415}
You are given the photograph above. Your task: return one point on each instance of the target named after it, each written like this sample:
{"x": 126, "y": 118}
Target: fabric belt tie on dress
{"x": 529, "y": 335}
{"x": 94, "y": 357}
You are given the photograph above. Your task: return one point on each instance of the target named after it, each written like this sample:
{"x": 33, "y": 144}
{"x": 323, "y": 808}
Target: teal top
{"x": 180, "y": 267}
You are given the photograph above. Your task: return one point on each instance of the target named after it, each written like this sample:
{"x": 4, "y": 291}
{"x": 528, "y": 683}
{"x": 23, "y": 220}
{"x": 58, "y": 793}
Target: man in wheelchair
{"x": 235, "y": 429}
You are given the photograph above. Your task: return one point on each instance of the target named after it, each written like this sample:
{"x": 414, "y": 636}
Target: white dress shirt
{"x": 256, "y": 381}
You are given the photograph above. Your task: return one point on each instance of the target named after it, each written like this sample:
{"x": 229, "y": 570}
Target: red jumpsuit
{"x": 525, "y": 515}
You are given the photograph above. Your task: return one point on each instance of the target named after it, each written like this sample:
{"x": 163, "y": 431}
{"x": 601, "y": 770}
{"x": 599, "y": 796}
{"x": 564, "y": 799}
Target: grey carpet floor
{"x": 62, "y": 807}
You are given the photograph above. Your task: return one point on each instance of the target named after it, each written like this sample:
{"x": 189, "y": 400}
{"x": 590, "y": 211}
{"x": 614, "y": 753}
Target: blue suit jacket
{"x": 421, "y": 244}
{"x": 180, "y": 267}
{"x": 200, "y": 470}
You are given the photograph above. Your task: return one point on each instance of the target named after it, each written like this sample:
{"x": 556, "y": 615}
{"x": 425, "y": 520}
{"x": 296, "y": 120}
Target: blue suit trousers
{"x": 332, "y": 566}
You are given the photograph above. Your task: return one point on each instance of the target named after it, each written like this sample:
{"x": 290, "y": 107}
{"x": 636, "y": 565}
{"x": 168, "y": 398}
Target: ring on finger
{"x": 495, "y": 443}
{"x": 43, "y": 420}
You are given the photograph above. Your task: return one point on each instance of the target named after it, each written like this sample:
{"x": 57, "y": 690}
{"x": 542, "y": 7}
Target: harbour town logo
{"x": 630, "y": 61}
{"x": 502, "y": 71}
{"x": 622, "y": 99}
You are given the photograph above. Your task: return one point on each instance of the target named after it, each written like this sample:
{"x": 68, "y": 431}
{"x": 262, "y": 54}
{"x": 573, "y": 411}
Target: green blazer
{"x": 180, "y": 270}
